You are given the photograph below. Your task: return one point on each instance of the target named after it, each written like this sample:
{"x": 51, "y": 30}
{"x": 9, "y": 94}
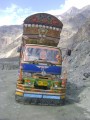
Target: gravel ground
{"x": 10, "y": 110}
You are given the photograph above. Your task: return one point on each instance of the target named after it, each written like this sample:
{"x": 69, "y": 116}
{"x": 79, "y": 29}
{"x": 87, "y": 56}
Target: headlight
{"x": 55, "y": 86}
{"x": 26, "y": 74}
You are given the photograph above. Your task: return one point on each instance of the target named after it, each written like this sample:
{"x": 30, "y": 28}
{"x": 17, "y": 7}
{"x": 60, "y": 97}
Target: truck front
{"x": 40, "y": 75}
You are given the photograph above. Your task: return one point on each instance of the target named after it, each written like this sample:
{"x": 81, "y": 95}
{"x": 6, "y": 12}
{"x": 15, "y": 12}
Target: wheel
{"x": 18, "y": 98}
{"x": 63, "y": 102}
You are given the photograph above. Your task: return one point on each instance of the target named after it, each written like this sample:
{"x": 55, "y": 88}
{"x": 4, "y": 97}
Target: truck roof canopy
{"x": 43, "y": 29}
{"x": 44, "y": 19}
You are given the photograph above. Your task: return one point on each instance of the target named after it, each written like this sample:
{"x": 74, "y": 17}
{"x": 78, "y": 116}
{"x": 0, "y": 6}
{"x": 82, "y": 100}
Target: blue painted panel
{"x": 33, "y": 95}
{"x": 38, "y": 68}
{"x": 53, "y": 70}
{"x": 30, "y": 68}
{"x": 51, "y": 97}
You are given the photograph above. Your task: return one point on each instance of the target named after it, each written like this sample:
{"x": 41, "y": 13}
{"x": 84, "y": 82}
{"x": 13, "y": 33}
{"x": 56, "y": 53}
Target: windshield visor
{"x": 38, "y": 53}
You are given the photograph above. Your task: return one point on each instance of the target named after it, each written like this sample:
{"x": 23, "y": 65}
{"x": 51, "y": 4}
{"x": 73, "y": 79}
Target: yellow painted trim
{"x": 19, "y": 93}
{"x": 62, "y": 96}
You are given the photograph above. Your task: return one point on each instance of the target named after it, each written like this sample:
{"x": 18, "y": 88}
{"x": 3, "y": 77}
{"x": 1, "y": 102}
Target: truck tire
{"x": 63, "y": 102}
{"x": 18, "y": 98}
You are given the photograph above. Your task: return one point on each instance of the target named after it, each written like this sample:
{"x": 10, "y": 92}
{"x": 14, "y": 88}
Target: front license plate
{"x": 42, "y": 83}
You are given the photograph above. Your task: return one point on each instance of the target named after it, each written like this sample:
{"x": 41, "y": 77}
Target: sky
{"x": 13, "y": 12}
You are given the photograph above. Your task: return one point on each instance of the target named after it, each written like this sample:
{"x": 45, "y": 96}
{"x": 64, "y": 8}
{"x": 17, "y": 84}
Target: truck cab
{"x": 41, "y": 61}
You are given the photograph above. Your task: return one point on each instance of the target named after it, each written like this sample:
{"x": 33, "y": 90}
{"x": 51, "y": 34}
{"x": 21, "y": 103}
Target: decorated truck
{"x": 40, "y": 78}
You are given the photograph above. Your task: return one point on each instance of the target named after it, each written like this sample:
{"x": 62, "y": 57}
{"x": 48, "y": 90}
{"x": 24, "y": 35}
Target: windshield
{"x": 48, "y": 54}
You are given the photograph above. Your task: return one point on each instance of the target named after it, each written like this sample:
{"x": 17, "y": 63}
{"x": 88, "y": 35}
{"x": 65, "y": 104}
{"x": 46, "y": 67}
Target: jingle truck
{"x": 40, "y": 73}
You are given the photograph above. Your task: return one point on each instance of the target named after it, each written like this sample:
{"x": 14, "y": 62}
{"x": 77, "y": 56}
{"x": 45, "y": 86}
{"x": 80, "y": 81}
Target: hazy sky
{"x": 35, "y": 5}
{"x": 15, "y": 11}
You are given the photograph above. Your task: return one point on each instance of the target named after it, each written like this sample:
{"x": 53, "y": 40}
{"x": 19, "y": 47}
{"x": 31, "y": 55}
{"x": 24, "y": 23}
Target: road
{"x": 11, "y": 110}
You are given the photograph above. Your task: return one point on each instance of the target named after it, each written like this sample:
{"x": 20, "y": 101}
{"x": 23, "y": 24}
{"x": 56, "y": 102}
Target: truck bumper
{"x": 39, "y": 97}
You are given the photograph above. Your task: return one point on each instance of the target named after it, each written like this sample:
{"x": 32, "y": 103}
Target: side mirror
{"x": 19, "y": 49}
{"x": 68, "y": 52}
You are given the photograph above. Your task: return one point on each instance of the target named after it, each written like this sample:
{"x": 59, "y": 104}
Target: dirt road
{"x": 10, "y": 110}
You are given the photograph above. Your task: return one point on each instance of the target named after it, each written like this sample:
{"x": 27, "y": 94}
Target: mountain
{"x": 77, "y": 21}
{"x": 72, "y": 21}
{"x": 10, "y": 39}
{"x": 68, "y": 14}
{"x": 9, "y": 34}
{"x": 83, "y": 33}
{"x": 75, "y": 17}
{"x": 81, "y": 45}
{"x": 76, "y": 36}
{"x": 71, "y": 12}
{"x": 85, "y": 11}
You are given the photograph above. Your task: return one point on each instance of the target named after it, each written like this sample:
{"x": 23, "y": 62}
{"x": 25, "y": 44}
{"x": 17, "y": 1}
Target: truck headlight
{"x": 55, "y": 84}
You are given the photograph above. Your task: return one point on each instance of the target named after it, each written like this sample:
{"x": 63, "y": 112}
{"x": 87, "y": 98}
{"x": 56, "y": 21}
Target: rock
{"x": 86, "y": 75}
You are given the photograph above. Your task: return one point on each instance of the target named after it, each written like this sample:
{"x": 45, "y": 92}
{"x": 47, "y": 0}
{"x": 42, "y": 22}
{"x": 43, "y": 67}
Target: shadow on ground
{"x": 72, "y": 93}
{"x": 9, "y": 63}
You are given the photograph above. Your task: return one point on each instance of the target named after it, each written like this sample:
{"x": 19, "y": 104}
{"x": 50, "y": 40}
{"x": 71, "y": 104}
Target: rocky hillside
{"x": 76, "y": 36}
{"x": 10, "y": 39}
{"x": 9, "y": 34}
{"x": 73, "y": 20}
{"x": 80, "y": 58}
